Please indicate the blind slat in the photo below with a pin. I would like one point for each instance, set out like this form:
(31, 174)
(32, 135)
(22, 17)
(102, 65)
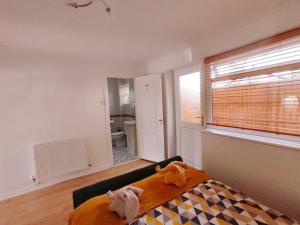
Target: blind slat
(276, 69)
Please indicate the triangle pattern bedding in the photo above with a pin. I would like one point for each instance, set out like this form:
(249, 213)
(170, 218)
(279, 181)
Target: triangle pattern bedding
(213, 203)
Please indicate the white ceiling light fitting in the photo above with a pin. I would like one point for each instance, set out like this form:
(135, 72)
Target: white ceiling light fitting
(84, 3)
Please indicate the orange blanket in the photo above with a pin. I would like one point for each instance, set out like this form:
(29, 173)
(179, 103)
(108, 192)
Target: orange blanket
(95, 211)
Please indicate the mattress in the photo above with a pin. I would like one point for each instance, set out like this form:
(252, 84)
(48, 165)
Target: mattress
(213, 202)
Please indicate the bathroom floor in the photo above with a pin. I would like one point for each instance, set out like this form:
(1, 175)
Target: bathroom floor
(121, 155)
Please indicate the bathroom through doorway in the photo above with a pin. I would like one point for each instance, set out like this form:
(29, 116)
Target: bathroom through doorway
(122, 119)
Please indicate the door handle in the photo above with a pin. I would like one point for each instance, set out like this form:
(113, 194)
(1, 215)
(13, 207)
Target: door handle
(202, 119)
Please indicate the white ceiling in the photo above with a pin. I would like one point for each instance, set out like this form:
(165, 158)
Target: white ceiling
(137, 31)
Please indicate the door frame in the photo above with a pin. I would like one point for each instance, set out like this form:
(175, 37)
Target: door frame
(177, 73)
(105, 102)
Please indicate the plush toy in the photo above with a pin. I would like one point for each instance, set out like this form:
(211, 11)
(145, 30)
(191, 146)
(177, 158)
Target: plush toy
(174, 173)
(125, 202)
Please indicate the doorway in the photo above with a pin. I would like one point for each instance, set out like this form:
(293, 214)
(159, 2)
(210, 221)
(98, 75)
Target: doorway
(122, 115)
(189, 115)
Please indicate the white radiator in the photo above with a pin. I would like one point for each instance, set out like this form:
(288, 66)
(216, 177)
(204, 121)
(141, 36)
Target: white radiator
(59, 158)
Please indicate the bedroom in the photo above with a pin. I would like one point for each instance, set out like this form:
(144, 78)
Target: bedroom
(55, 62)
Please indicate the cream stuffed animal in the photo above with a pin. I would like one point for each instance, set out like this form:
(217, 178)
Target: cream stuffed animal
(125, 202)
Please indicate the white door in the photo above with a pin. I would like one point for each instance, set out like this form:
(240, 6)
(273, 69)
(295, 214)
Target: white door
(188, 115)
(149, 114)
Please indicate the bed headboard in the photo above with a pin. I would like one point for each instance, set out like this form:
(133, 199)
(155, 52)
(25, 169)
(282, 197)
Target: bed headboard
(102, 187)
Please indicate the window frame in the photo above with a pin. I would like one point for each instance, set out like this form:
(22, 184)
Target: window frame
(192, 68)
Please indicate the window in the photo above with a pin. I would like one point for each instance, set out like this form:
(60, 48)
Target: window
(190, 98)
(257, 87)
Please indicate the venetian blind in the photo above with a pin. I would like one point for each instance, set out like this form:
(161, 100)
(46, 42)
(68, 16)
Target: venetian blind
(256, 87)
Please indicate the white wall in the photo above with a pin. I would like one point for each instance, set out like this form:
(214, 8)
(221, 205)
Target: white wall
(47, 97)
(171, 60)
(265, 172)
(247, 29)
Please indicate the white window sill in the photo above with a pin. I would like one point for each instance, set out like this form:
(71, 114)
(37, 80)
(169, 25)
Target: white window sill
(262, 139)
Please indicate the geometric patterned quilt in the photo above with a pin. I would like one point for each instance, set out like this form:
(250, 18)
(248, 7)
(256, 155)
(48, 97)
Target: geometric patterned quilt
(213, 202)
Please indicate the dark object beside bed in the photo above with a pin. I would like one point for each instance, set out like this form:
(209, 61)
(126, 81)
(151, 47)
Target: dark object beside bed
(102, 187)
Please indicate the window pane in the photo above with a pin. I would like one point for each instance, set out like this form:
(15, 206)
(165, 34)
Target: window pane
(190, 98)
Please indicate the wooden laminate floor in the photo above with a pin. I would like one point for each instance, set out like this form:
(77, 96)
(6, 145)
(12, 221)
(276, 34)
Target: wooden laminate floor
(53, 205)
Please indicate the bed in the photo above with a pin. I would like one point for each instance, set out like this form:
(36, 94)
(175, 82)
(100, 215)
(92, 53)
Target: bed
(202, 200)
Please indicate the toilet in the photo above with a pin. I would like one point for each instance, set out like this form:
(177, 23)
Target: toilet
(117, 139)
